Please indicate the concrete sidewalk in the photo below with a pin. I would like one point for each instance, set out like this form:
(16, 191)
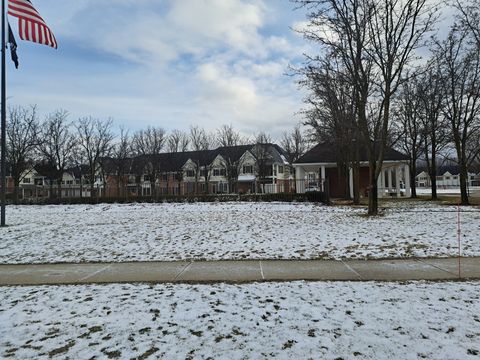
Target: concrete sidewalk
(240, 271)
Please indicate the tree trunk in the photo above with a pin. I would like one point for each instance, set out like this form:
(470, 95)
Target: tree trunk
(16, 186)
(59, 189)
(344, 171)
(118, 186)
(433, 175)
(463, 184)
(413, 185)
(92, 183)
(356, 183)
(373, 191)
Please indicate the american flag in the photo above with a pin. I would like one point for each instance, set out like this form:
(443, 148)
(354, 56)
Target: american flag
(31, 26)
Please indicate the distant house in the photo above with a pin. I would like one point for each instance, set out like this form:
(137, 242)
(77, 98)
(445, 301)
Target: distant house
(234, 169)
(37, 184)
(448, 176)
(256, 168)
(319, 167)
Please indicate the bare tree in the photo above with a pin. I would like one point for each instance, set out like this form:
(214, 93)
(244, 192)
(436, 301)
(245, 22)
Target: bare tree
(95, 141)
(200, 142)
(469, 16)
(332, 116)
(374, 41)
(227, 136)
(294, 145)
(231, 154)
(22, 131)
(407, 112)
(434, 127)
(56, 145)
(121, 157)
(177, 141)
(79, 164)
(147, 143)
(460, 69)
(263, 159)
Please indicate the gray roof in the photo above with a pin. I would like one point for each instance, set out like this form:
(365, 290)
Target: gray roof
(325, 153)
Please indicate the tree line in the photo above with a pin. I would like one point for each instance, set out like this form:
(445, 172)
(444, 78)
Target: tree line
(368, 88)
(55, 144)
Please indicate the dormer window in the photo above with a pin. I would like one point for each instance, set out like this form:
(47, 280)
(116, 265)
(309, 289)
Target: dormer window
(219, 172)
(247, 169)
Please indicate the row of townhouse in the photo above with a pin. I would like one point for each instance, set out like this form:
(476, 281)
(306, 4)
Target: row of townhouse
(35, 183)
(257, 168)
(448, 177)
(236, 169)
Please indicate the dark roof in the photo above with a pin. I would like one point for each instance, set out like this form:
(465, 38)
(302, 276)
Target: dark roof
(174, 162)
(234, 152)
(78, 171)
(325, 153)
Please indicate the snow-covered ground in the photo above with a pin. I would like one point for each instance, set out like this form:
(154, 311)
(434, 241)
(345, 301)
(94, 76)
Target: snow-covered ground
(473, 191)
(135, 232)
(298, 320)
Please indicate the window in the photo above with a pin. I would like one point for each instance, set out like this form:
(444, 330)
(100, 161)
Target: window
(164, 177)
(203, 172)
(190, 173)
(146, 178)
(69, 182)
(176, 176)
(280, 169)
(223, 188)
(247, 169)
(219, 172)
(26, 180)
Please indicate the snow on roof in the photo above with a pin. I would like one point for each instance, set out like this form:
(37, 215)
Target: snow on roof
(246, 178)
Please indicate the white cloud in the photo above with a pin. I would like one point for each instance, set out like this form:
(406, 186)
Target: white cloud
(207, 62)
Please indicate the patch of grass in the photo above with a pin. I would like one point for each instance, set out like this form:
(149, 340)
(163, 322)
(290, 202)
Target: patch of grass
(196, 333)
(115, 354)
(90, 331)
(62, 349)
(144, 330)
(288, 344)
(148, 353)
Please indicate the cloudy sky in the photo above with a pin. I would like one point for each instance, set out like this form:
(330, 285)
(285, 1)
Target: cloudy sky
(166, 63)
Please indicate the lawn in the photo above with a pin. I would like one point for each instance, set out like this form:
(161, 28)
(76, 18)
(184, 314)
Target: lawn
(134, 232)
(298, 320)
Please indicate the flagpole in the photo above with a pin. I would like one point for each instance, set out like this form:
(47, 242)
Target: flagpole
(3, 167)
